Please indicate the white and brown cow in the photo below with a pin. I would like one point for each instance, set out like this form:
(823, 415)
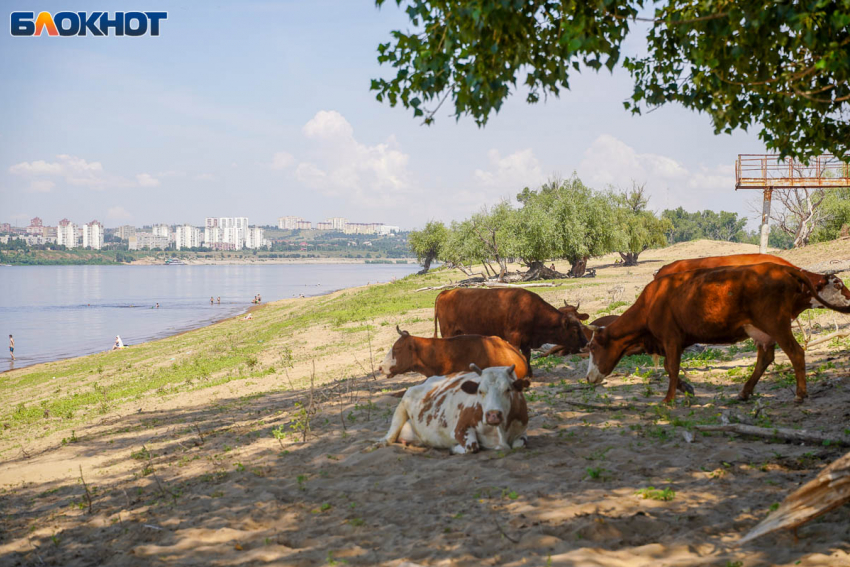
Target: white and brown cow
(463, 412)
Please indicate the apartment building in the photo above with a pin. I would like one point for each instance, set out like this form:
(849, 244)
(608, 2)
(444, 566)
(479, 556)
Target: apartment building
(225, 233)
(92, 235)
(125, 232)
(66, 234)
(187, 236)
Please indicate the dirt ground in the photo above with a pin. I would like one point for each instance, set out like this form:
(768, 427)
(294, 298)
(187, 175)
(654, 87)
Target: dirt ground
(229, 476)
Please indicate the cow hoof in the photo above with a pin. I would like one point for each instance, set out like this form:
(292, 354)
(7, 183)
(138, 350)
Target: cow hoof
(799, 399)
(743, 397)
(380, 444)
(521, 443)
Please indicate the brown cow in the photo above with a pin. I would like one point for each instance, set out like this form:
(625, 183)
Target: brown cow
(719, 306)
(519, 316)
(719, 262)
(440, 357)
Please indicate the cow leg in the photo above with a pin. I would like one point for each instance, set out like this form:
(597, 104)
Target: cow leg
(468, 444)
(520, 442)
(794, 351)
(672, 360)
(400, 417)
(765, 358)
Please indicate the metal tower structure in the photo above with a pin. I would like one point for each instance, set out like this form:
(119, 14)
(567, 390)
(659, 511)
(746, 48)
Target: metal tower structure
(768, 172)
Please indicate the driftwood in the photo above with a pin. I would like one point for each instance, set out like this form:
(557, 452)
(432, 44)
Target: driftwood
(827, 491)
(595, 407)
(793, 435)
(829, 337)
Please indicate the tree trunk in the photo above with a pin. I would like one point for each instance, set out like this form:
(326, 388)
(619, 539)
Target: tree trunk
(539, 271)
(629, 258)
(426, 265)
(578, 268)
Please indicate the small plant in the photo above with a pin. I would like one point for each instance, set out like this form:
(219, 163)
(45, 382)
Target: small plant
(652, 493)
(596, 473)
(301, 479)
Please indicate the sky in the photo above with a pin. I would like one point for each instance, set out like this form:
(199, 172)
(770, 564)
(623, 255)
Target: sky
(263, 109)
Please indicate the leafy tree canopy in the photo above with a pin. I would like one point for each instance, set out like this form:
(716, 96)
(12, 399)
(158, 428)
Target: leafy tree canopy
(781, 66)
(427, 243)
(707, 224)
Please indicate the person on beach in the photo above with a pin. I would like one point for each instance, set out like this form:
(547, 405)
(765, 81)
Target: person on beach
(12, 347)
(211, 301)
(259, 298)
(218, 299)
(157, 304)
(119, 344)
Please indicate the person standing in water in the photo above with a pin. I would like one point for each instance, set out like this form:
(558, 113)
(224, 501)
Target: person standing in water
(211, 301)
(219, 300)
(12, 347)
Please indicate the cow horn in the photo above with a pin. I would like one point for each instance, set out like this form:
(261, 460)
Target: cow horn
(474, 368)
(595, 328)
(399, 331)
(511, 369)
(566, 304)
(578, 304)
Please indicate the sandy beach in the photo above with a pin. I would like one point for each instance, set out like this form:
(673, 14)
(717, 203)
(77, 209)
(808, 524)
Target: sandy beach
(249, 443)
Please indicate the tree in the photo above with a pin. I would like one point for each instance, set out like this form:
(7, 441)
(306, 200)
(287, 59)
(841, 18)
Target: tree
(493, 228)
(641, 228)
(534, 235)
(781, 66)
(798, 212)
(685, 226)
(582, 220)
(426, 243)
(836, 215)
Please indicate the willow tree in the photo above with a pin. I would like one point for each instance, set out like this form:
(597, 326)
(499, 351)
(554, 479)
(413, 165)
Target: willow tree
(427, 243)
(641, 229)
(779, 66)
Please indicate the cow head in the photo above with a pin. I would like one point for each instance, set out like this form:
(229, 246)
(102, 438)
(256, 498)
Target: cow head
(399, 356)
(571, 334)
(602, 359)
(833, 290)
(495, 388)
(569, 310)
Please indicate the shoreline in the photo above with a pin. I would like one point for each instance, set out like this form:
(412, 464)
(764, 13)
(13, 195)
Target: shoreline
(251, 308)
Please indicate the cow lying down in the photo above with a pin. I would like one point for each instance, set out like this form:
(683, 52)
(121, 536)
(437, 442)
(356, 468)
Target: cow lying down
(463, 412)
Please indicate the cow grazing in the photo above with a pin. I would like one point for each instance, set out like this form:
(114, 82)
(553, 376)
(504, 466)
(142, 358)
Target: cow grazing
(568, 309)
(718, 306)
(719, 262)
(519, 316)
(439, 357)
(484, 408)
(559, 350)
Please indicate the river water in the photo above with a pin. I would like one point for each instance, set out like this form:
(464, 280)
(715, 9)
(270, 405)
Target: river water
(57, 312)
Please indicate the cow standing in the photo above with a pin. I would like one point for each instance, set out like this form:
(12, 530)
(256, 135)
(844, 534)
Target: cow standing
(439, 357)
(719, 262)
(719, 306)
(483, 408)
(519, 316)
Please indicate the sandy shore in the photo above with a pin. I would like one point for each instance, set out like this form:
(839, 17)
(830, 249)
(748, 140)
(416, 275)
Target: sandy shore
(197, 454)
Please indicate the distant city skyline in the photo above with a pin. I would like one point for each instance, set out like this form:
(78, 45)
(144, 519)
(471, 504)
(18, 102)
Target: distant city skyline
(149, 130)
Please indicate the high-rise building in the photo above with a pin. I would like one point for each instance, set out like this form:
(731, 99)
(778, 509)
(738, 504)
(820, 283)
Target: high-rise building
(254, 238)
(288, 223)
(144, 240)
(228, 231)
(386, 229)
(93, 235)
(327, 225)
(66, 234)
(303, 225)
(36, 227)
(125, 232)
(338, 223)
(162, 230)
(187, 236)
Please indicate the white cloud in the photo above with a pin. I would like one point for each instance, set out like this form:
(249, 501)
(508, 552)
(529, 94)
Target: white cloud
(282, 160)
(75, 171)
(610, 161)
(147, 180)
(117, 213)
(341, 166)
(512, 172)
(41, 185)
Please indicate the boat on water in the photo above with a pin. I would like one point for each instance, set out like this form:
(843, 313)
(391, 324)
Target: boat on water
(174, 262)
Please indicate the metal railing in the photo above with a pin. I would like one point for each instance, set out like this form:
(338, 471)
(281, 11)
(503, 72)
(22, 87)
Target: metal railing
(769, 171)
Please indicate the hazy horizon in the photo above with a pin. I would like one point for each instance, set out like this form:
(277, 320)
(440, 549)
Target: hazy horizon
(207, 121)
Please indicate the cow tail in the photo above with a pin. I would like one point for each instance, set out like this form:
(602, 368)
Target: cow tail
(806, 283)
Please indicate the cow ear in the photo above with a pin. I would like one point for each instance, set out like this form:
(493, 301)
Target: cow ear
(520, 385)
(583, 316)
(469, 387)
